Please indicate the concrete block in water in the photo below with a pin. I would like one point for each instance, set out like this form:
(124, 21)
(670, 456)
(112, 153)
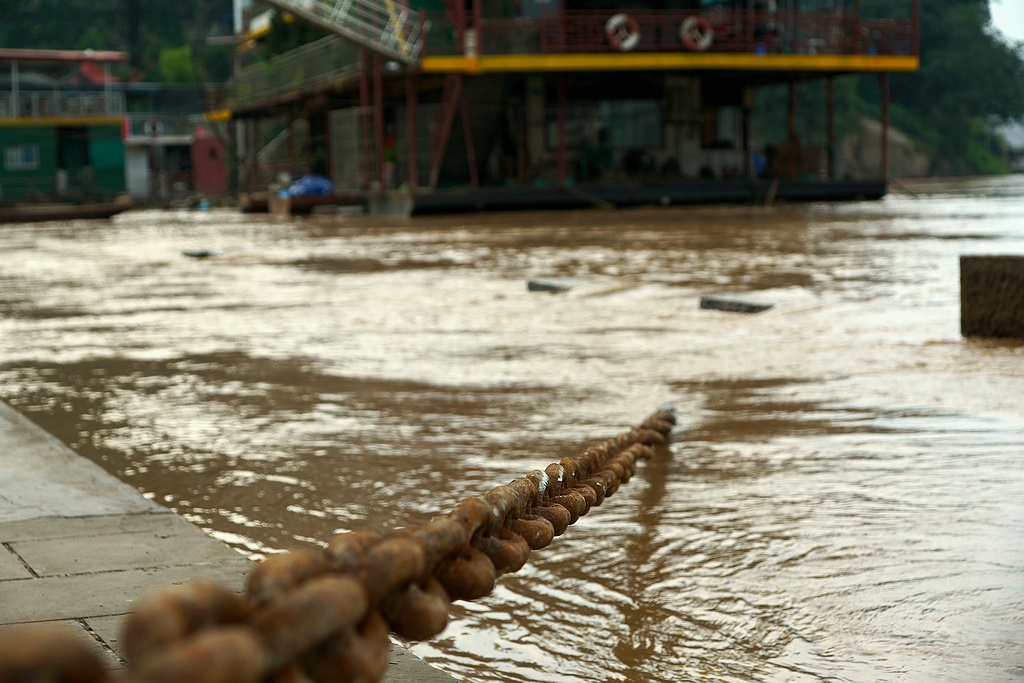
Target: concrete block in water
(719, 303)
(394, 203)
(992, 296)
(279, 205)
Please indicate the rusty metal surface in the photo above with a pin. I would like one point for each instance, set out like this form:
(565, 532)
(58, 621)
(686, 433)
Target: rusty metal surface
(326, 615)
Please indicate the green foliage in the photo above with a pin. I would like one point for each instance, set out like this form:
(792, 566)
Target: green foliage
(176, 65)
(142, 28)
(968, 76)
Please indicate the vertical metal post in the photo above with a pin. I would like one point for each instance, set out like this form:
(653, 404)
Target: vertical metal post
(293, 143)
(255, 141)
(378, 118)
(154, 164)
(560, 104)
(791, 168)
(856, 27)
(790, 109)
(14, 90)
(831, 115)
(364, 109)
(478, 26)
(410, 111)
(745, 123)
(467, 133)
(106, 89)
(885, 125)
(915, 19)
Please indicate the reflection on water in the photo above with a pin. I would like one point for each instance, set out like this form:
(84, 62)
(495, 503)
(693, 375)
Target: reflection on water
(841, 502)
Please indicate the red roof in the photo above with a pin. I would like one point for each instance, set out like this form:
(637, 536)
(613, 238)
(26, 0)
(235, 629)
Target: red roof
(10, 54)
(91, 72)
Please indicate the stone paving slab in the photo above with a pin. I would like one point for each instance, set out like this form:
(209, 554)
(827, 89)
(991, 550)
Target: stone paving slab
(11, 567)
(102, 594)
(79, 629)
(93, 525)
(78, 547)
(176, 543)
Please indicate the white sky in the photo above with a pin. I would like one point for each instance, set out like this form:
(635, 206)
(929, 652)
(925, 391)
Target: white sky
(1008, 17)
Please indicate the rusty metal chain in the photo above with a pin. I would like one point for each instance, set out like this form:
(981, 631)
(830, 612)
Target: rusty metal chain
(325, 615)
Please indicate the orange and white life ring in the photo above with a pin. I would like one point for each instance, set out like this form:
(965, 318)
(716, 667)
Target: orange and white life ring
(697, 33)
(623, 32)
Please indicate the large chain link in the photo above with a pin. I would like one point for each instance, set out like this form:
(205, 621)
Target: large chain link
(325, 615)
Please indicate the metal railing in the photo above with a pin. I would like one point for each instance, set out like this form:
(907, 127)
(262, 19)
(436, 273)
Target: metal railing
(737, 31)
(33, 105)
(156, 125)
(304, 69)
(386, 27)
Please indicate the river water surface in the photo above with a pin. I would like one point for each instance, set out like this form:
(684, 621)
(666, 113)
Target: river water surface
(844, 499)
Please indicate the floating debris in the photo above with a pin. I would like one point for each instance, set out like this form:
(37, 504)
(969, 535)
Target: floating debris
(719, 303)
(547, 286)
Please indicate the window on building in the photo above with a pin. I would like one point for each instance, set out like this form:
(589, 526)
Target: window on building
(21, 158)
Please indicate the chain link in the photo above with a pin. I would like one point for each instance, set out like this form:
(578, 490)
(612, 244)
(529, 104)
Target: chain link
(325, 615)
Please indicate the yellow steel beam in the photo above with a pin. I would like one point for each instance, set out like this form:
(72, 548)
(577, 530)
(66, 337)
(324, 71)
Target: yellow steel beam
(666, 61)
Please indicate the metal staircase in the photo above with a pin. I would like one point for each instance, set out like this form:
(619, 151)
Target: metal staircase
(385, 27)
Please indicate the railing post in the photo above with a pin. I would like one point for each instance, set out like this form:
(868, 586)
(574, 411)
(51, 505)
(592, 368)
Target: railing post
(915, 20)
(15, 106)
(856, 25)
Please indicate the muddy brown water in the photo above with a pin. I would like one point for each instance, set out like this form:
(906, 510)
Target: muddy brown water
(843, 500)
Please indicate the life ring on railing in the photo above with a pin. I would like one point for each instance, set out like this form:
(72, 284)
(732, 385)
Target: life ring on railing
(623, 32)
(697, 33)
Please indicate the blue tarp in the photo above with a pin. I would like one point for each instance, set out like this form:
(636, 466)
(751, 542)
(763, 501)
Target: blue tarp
(312, 185)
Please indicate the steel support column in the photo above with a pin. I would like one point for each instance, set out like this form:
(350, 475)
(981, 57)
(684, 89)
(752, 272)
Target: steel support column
(467, 130)
(378, 119)
(450, 96)
(830, 87)
(411, 98)
(792, 139)
(560, 104)
(884, 79)
(364, 110)
(915, 18)
(747, 104)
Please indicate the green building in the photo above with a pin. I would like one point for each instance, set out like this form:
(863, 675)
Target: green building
(57, 144)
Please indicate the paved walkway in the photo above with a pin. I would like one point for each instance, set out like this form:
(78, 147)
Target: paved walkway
(78, 547)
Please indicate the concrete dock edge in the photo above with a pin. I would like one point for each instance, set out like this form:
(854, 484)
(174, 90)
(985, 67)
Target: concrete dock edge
(78, 547)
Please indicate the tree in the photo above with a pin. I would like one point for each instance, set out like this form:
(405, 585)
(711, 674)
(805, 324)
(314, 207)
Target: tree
(143, 29)
(967, 76)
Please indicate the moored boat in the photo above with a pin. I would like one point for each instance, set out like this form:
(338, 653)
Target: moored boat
(29, 212)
